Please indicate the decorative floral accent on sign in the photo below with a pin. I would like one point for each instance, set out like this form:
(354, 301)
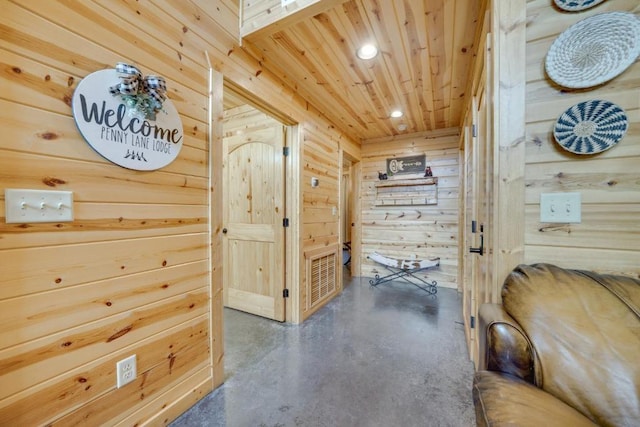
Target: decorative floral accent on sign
(143, 95)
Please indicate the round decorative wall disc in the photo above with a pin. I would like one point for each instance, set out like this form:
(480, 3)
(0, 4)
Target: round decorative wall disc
(590, 127)
(576, 5)
(594, 50)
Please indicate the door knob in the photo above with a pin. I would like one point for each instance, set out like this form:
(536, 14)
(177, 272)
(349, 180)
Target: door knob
(479, 250)
(224, 231)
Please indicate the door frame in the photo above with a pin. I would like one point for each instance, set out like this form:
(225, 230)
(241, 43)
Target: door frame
(505, 28)
(476, 200)
(354, 209)
(215, 109)
(292, 242)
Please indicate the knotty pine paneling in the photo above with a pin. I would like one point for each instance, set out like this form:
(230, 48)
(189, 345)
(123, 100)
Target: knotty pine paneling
(320, 226)
(49, 358)
(95, 380)
(413, 231)
(37, 315)
(609, 183)
(134, 272)
(131, 274)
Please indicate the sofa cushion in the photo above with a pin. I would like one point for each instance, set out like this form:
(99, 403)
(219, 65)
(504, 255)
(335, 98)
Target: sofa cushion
(504, 400)
(585, 334)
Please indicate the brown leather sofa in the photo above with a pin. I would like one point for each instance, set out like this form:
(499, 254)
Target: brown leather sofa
(563, 349)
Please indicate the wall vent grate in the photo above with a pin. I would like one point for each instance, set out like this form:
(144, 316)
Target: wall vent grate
(322, 278)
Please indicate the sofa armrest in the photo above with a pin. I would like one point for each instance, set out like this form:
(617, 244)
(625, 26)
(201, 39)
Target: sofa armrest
(503, 345)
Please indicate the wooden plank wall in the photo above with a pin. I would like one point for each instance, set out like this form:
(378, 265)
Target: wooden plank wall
(608, 239)
(262, 18)
(133, 273)
(130, 275)
(413, 231)
(245, 118)
(320, 226)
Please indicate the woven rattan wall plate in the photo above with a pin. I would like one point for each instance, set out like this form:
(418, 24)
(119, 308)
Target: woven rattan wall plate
(590, 127)
(594, 50)
(576, 5)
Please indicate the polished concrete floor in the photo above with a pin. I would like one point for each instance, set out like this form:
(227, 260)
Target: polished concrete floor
(375, 356)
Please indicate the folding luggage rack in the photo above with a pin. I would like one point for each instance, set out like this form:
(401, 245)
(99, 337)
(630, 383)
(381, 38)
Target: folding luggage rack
(406, 270)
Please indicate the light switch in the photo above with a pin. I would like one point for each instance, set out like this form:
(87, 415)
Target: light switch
(24, 206)
(560, 207)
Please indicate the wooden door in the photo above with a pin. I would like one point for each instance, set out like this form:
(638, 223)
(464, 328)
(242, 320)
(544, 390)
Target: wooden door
(478, 202)
(495, 197)
(475, 218)
(253, 242)
(346, 204)
(469, 213)
(480, 194)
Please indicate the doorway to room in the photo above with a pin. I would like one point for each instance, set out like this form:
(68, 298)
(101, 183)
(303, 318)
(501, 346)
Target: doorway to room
(253, 181)
(348, 215)
(256, 254)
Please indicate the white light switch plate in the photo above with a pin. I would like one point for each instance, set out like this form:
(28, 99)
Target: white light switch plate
(24, 206)
(560, 207)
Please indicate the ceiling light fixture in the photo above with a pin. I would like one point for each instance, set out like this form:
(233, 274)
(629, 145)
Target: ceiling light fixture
(402, 127)
(367, 51)
(396, 113)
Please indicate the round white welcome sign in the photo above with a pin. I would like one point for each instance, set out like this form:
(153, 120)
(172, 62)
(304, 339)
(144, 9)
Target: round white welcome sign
(121, 135)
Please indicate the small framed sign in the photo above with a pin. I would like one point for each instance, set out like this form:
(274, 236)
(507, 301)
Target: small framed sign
(412, 165)
(120, 133)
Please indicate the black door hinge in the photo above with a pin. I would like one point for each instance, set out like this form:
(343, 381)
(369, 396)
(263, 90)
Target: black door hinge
(285, 151)
(285, 222)
(285, 293)
(473, 322)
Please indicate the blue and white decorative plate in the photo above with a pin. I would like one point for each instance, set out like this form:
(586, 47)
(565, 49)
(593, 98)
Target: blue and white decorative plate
(576, 5)
(590, 127)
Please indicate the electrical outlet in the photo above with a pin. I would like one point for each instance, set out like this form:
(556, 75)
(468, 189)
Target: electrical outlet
(126, 371)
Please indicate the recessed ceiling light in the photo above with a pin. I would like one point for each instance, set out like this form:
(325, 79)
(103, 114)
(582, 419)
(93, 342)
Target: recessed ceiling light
(396, 113)
(367, 51)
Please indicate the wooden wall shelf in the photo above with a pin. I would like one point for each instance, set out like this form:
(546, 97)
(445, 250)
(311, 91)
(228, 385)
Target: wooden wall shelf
(407, 192)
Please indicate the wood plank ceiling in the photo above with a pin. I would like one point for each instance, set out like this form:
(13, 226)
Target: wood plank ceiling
(423, 67)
